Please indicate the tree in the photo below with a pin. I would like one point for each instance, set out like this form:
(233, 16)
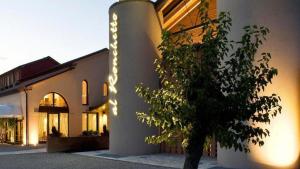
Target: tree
(211, 89)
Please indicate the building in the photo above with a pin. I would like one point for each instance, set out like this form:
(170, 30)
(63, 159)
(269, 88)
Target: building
(73, 97)
(42, 95)
(12, 106)
(140, 22)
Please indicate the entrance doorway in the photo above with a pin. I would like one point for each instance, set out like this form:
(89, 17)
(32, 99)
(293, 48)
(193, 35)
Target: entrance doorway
(53, 117)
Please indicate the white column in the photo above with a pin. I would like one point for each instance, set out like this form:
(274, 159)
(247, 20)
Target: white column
(135, 33)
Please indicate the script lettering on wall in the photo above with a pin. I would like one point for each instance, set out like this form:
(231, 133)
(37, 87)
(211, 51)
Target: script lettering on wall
(113, 77)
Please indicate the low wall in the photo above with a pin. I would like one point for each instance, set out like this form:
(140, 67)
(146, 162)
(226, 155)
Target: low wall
(73, 144)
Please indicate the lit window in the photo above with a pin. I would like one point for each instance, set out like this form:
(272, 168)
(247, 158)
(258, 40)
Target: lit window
(84, 122)
(90, 121)
(84, 89)
(105, 89)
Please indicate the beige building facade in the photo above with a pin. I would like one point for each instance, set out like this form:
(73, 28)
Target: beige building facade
(70, 97)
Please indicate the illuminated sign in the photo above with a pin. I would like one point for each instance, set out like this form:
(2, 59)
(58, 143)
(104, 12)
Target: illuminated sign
(113, 78)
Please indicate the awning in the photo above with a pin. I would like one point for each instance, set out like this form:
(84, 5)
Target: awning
(10, 111)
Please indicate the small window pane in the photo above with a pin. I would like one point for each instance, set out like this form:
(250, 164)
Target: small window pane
(84, 92)
(105, 89)
(64, 124)
(92, 122)
(59, 101)
(42, 126)
(47, 100)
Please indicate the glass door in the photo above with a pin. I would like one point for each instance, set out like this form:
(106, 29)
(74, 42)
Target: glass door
(53, 122)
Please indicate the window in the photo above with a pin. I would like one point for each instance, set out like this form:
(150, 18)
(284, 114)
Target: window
(84, 88)
(43, 127)
(90, 121)
(53, 115)
(105, 89)
(64, 124)
(84, 122)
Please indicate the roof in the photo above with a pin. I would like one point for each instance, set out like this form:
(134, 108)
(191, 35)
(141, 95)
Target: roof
(29, 66)
(88, 55)
(67, 65)
(54, 71)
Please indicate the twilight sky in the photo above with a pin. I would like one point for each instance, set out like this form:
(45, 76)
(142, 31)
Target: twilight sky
(62, 29)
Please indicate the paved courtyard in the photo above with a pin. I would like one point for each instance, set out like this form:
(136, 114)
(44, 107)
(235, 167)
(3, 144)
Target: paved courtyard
(66, 161)
(24, 157)
(165, 160)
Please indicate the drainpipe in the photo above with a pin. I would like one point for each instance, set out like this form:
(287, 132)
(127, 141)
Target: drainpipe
(26, 114)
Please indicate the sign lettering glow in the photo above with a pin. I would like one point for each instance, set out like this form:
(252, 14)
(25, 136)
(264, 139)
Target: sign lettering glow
(113, 78)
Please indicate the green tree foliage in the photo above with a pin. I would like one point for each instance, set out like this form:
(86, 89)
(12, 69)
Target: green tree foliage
(211, 89)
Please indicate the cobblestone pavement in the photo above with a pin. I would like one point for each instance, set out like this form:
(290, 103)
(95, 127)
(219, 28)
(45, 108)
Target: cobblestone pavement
(66, 161)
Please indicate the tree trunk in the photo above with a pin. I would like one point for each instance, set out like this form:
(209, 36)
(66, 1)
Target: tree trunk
(194, 152)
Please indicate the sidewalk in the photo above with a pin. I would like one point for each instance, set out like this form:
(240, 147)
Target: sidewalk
(8, 149)
(164, 160)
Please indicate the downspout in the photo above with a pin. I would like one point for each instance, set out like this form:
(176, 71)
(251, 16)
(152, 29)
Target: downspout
(26, 115)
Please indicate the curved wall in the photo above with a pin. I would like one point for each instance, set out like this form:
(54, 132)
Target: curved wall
(281, 149)
(135, 33)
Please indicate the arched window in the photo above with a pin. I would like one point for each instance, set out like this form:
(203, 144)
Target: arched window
(53, 115)
(105, 89)
(85, 94)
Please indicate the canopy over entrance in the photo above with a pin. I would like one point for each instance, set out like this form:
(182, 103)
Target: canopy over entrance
(10, 111)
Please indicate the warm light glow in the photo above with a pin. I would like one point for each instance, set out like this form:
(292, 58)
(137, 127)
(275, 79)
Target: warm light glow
(104, 119)
(33, 139)
(84, 122)
(24, 134)
(45, 122)
(42, 126)
(113, 78)
(183, 12)
(282, 148)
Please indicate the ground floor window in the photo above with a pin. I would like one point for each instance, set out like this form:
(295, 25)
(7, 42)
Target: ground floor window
(53, 116)
(43, 126)
(48, 122)
(64, 124)
(11, 130)
(90, 121)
